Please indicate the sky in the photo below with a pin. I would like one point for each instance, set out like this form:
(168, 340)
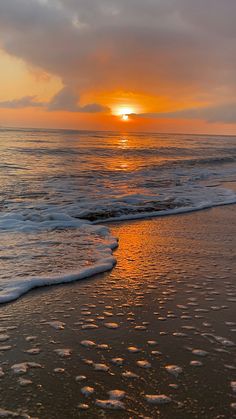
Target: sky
(170, 65)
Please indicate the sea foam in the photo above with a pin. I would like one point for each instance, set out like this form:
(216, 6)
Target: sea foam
(67, 184)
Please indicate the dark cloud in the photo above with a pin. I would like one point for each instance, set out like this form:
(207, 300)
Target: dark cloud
(158, 47)
(225, 113)
(67, 100)
(24, 102)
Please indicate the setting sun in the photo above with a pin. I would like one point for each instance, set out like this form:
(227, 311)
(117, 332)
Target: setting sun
(125, 117)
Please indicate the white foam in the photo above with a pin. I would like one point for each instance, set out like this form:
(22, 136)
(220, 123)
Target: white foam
(174, 183)
(14, 289)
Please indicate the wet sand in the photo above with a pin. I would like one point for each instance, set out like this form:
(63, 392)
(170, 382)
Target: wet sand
(163, 322)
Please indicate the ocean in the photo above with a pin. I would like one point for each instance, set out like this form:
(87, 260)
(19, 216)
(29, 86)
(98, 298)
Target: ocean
(60, 189)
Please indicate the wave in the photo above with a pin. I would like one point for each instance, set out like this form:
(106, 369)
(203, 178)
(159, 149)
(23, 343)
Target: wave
(53, 203)
(101, 242)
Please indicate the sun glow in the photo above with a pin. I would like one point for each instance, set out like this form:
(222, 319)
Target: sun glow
(124, 113)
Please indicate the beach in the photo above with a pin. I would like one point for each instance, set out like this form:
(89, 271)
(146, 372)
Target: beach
(162, 322)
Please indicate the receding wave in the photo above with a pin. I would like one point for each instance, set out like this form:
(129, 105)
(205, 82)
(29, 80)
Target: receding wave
(54, 199)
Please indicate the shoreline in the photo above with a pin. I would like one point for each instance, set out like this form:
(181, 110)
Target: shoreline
(172, 292)
(104, 265)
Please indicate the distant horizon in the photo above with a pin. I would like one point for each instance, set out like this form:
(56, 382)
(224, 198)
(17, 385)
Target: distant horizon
(18, 128)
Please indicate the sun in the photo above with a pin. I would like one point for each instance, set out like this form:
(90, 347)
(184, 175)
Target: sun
(125, 113)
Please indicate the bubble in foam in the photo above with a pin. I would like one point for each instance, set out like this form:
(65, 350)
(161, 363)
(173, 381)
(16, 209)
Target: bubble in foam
(152, 342)
(4, 337)
(64, 353)
(196, 363)
(103, 346)
(116, 394)
(129, 374)
(157, 398)
(110, 404)
(133, 349)
(24, 382)
(101, 367)
(80, 378)
(174, 370)
(33, 351)
(111, 325)
(144, 364)
(57, 325)
(233, 386)
(199, 352)
(59, 370)
(88, 343)
(89, 326)
(20, 368)
(83, 406)
(118, 361)
(87, 391)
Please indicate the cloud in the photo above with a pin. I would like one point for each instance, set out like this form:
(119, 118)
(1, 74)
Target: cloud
(24, 102)
(67, 100)
(225, 113)
(159, 47)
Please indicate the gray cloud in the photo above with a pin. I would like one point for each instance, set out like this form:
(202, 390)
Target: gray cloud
(225, 113)
(24, 102)
(159, 47)
(67, 100)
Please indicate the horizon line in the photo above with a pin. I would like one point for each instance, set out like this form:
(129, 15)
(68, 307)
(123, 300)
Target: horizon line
(16, 128)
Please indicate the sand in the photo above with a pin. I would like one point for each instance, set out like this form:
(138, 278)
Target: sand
(155, 338)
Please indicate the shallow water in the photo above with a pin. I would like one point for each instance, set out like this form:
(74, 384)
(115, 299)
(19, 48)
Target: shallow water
(172, 297)
(56, 184)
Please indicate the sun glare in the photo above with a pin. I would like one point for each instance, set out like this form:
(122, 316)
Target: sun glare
(125, 113)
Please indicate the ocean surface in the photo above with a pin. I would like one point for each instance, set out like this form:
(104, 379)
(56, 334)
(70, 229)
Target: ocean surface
(59, 189)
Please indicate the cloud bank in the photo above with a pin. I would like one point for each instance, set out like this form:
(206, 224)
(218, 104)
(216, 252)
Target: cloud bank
(225, 113)
(24, 102)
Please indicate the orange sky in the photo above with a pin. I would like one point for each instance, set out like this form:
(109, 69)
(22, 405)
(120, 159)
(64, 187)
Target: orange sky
(49, 80)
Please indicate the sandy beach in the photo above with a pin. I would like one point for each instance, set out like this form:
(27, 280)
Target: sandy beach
(161, 323)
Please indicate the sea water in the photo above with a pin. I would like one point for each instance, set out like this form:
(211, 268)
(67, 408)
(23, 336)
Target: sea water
(59, 189)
